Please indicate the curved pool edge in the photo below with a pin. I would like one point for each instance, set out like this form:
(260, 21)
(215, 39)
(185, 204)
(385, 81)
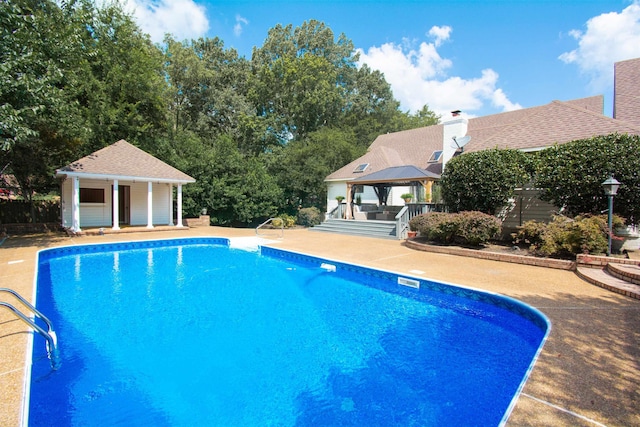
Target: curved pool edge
(533, 314)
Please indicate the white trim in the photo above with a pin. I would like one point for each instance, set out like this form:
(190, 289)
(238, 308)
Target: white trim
(179, 218)
(106, 177)
(115, 202)
(170, 206)
(75, 204)
(149, 204)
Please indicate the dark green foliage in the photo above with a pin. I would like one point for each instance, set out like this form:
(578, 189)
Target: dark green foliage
(571, 175)
(485, 180)
(467, 228)
(20, 211)
(309, 217)
(565, 237)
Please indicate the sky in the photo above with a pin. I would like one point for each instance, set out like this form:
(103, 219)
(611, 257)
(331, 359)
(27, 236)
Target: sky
(481, 57)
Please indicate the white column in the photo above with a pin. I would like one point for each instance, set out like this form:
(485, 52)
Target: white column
(116, 206)
(149, 204)
(179, 219)
(75, 205)
(170, 207)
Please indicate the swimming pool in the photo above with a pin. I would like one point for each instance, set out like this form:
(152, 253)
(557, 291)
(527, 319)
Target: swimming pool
(192, 332)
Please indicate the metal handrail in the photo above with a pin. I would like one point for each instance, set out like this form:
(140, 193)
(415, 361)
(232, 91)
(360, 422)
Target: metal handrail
(267, 222)
(52, 340)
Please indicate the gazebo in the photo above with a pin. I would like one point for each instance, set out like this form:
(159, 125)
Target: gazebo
(120, 185)
(383, 180)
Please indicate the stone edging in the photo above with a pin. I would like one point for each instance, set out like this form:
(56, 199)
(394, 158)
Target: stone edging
(494, 256)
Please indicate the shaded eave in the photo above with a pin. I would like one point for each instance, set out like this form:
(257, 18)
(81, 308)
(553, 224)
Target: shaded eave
(108, 177)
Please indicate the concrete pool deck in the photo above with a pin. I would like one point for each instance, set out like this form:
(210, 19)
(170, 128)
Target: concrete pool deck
(588, 372)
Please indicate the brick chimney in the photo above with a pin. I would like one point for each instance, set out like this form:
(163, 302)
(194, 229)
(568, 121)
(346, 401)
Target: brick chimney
(626, 92)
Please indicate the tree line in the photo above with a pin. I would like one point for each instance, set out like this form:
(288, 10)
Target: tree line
(258, 134)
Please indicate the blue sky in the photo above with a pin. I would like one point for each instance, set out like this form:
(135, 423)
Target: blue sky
(481, 57)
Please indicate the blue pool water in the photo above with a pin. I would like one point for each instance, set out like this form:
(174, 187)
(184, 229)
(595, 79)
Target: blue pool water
(190, 332)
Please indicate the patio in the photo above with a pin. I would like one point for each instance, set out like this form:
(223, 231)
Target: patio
(587, 373)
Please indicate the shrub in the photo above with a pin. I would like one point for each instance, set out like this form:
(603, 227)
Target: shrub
(467, 228)
(309, 216)
(475, 228)
(565, 237)
(484, 180)
(571, 175)
(284, 220)
(436, 226)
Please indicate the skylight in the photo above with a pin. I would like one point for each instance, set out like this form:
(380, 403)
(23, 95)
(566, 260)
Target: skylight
(361, 167)
(435, 157)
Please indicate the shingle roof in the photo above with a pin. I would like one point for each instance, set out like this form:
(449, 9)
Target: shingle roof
(530, 128)
(397, 174)
(123, 160)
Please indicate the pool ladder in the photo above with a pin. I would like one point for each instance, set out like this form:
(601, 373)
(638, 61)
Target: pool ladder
(49, 335)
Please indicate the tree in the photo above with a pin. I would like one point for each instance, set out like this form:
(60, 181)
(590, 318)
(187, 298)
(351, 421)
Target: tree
(302, 165)
(235, 189)
(124, 94)
(41, 124)
(300, 78)
(571, 175)
(484, 180)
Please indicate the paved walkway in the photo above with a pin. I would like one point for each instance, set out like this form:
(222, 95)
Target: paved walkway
(587, 374)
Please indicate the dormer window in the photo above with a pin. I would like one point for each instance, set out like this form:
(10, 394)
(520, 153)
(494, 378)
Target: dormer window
(361, 168)
(435, 157)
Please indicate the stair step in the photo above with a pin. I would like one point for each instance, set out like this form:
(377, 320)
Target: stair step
(626, 272)
(601, 277)
(380, 229)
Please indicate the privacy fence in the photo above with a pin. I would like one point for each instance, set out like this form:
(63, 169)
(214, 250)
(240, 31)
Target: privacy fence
(19, 212)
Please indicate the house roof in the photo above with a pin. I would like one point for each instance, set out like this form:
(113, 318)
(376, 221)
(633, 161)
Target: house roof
(122, 160)
(527, 129)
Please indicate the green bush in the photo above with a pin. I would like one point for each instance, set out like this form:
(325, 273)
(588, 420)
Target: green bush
(571, 175)
(476, 228)
(484, 180)
(467, 228)
(285, 220)
(565, 237)
(309, 217)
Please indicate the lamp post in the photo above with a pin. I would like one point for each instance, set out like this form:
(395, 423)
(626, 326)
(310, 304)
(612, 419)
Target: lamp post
(611, 186)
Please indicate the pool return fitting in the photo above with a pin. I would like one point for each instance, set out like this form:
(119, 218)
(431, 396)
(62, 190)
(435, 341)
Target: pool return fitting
(50, 335)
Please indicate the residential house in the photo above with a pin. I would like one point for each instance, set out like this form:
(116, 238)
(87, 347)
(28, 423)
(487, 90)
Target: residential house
(428, 149)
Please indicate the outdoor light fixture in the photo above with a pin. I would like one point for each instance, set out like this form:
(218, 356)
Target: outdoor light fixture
(611, 186)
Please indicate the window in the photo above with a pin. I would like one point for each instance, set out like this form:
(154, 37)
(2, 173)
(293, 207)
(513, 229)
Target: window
(361, 167)
(435, 157)
(91, 195)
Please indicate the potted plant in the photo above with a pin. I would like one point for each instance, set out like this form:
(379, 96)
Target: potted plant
(407, 197)
(339, 199)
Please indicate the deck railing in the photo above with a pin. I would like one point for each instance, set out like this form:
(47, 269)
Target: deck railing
(411, 210)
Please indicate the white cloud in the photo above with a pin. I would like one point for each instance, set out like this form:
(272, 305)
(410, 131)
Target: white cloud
(240, 23)
(184, 19)
(608, 38)
(441, 34)
(419, 76)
